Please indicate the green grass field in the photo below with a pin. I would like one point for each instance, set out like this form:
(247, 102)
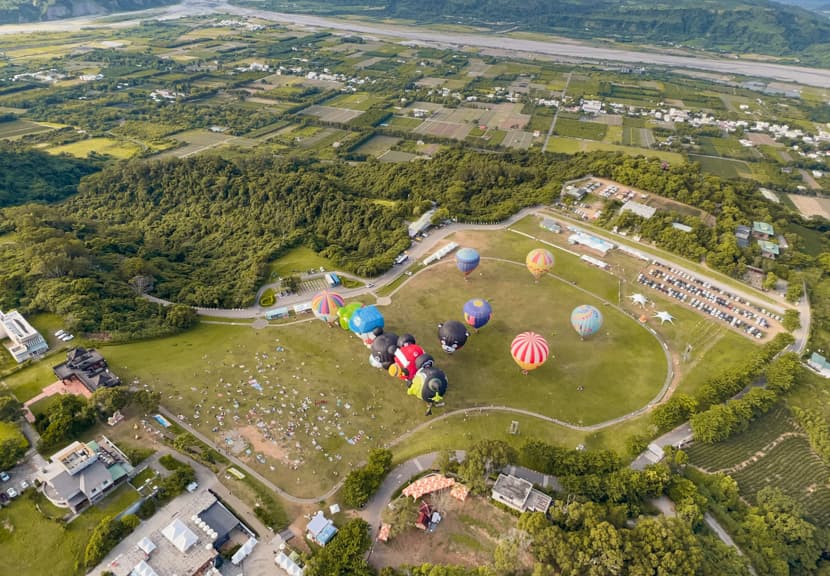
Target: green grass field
(19, 128)
(723, 167)
(108, 146)
(356, 101)
(32, 544)
(298, 261)
(578, 129)
(572, 146)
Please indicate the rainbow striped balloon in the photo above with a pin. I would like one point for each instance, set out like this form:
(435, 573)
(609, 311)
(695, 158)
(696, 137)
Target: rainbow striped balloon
(529, 350)
(325, 305)
(539, 262)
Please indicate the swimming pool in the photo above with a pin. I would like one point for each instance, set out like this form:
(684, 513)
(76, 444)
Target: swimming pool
(162, 420)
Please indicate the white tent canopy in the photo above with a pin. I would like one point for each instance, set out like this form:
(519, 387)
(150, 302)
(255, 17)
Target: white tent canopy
(146, 545)
(244, 551)
(143, 569)
(179, 535)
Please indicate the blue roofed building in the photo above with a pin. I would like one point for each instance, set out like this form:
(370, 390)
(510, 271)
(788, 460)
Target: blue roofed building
(762, 230)
(320, 529)
(769, 249)
(820, 364)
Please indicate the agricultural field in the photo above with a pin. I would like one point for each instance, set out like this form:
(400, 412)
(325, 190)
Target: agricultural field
(331, 114)
(811, 205)
(573, 145)
(377, 145)
(723, 167)
(105, 146)
(772, 452)
(358, 101)
(13, 129)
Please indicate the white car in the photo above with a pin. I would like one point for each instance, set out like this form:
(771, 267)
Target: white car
(12, 493)
(59, 333)
(67, 337)
(24, 485)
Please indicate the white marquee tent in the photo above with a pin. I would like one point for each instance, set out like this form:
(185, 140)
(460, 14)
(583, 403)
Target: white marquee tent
(179, 535)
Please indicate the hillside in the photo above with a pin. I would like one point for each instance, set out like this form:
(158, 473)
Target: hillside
(16, 11)
(746, 26)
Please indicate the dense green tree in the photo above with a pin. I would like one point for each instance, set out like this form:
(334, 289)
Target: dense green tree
(13, 445)
(345, 554)
(674, 411)
(10, 408)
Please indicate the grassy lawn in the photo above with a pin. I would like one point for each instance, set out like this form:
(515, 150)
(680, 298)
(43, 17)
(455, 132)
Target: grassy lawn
(30, 381)
(723, 167)
(298, 261)
(356, 101)
(108, 146)
(26, 535)
(572, 146)
(578, 129)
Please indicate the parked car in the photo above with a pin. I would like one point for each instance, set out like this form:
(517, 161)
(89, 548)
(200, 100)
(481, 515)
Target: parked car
(59, 333)
(4, 477)
(4, 498)
(24, 485)
(67, 337)
(12, 493)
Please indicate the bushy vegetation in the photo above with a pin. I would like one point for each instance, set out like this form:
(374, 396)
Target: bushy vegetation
(106, 536)
(344, 554)
(33, 176)
(16, 11)
(13, 445)
(362, 482)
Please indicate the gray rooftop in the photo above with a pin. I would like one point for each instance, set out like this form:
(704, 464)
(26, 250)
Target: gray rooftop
(511, 488)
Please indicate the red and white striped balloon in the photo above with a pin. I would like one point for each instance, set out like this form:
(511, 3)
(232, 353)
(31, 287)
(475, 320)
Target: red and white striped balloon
(529, 350)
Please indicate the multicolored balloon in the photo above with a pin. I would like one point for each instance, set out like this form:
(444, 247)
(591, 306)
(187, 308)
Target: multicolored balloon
(539, 262)
(529, 350)
(383, 350)
(453, 335)
(586, 320)
(408, 360)
(477, 312)
(467, 260)
(345, 313)
(325, 305)
(367, 323)
(429, 384)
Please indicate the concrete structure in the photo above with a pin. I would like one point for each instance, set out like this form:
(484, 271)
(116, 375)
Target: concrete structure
(82, 474)
(519, 494)
(303, 308)
(289, 563)
(638, 209)
(421, 224)
(24, 341)
(576, 193)
(320, 529)
(87, 367)
(594, 261)
(762, 230)
(769, 249)
(742, 234)
(435, 256)
(592, 242)
(551, 225)
(187, 545)
(682, 227)
(276, 313)
(820, 364)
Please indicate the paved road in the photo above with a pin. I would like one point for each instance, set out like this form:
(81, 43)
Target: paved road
(571, 50)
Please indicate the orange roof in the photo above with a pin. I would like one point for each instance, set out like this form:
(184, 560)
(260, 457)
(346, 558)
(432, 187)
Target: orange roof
(383, 535)
(459, 492)
(428, 484)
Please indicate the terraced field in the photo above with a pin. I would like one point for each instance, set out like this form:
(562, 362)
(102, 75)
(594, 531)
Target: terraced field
(772, 452)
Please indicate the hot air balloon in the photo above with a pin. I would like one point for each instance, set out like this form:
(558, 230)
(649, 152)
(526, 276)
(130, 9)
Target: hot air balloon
(467, 260)
(345, 313)
(429, 384)
(529, 350)
(325, 305)
(477, 312)
(408, 360)
(405, 339)
(539, 262)
(586, 320)
(383, 350)
(453, 335)
(367, 323)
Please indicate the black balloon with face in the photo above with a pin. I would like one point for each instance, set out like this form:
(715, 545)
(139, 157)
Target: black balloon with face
(453, 335)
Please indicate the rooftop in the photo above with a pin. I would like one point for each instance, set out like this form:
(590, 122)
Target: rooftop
(75, 457)
(769, 247)
(763, 228)
(639, 209)
(16, 325)
(512, 488)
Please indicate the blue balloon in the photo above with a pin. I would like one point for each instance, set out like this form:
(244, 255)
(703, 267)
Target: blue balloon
(586, 320)
(467, 260)
(477, 312)
(366, 319)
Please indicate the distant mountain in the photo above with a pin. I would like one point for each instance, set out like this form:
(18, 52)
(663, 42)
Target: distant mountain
(808, 4)
(744, 26)
(19, 11)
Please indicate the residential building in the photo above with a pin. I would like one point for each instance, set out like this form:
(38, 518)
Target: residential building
(762, 230)
(639, 209)
(742, 234)
(24, 341)
(421, 224)
(769, 250)
(519, 494)
(320, 529)
(551, 225)
(87, 367)
(820, 364)
(82, 474)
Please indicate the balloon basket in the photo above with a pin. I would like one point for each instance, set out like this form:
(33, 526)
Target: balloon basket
(524, 372)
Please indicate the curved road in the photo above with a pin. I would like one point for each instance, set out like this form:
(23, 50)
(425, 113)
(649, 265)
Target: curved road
(569, 50)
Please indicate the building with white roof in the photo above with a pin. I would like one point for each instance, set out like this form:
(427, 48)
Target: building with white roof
(24, 341)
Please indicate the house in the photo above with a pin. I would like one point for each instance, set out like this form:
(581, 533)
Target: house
(820, 364)
(769, 250)
(519, 494)
(576, 193)
(87, 367)
(551, 225)
(762, 230)
(24, 341)
(639, 209)
(742, 234)
(320, 529)
(82, 474)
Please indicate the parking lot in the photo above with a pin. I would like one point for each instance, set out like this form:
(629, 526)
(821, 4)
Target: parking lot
(740, 314)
